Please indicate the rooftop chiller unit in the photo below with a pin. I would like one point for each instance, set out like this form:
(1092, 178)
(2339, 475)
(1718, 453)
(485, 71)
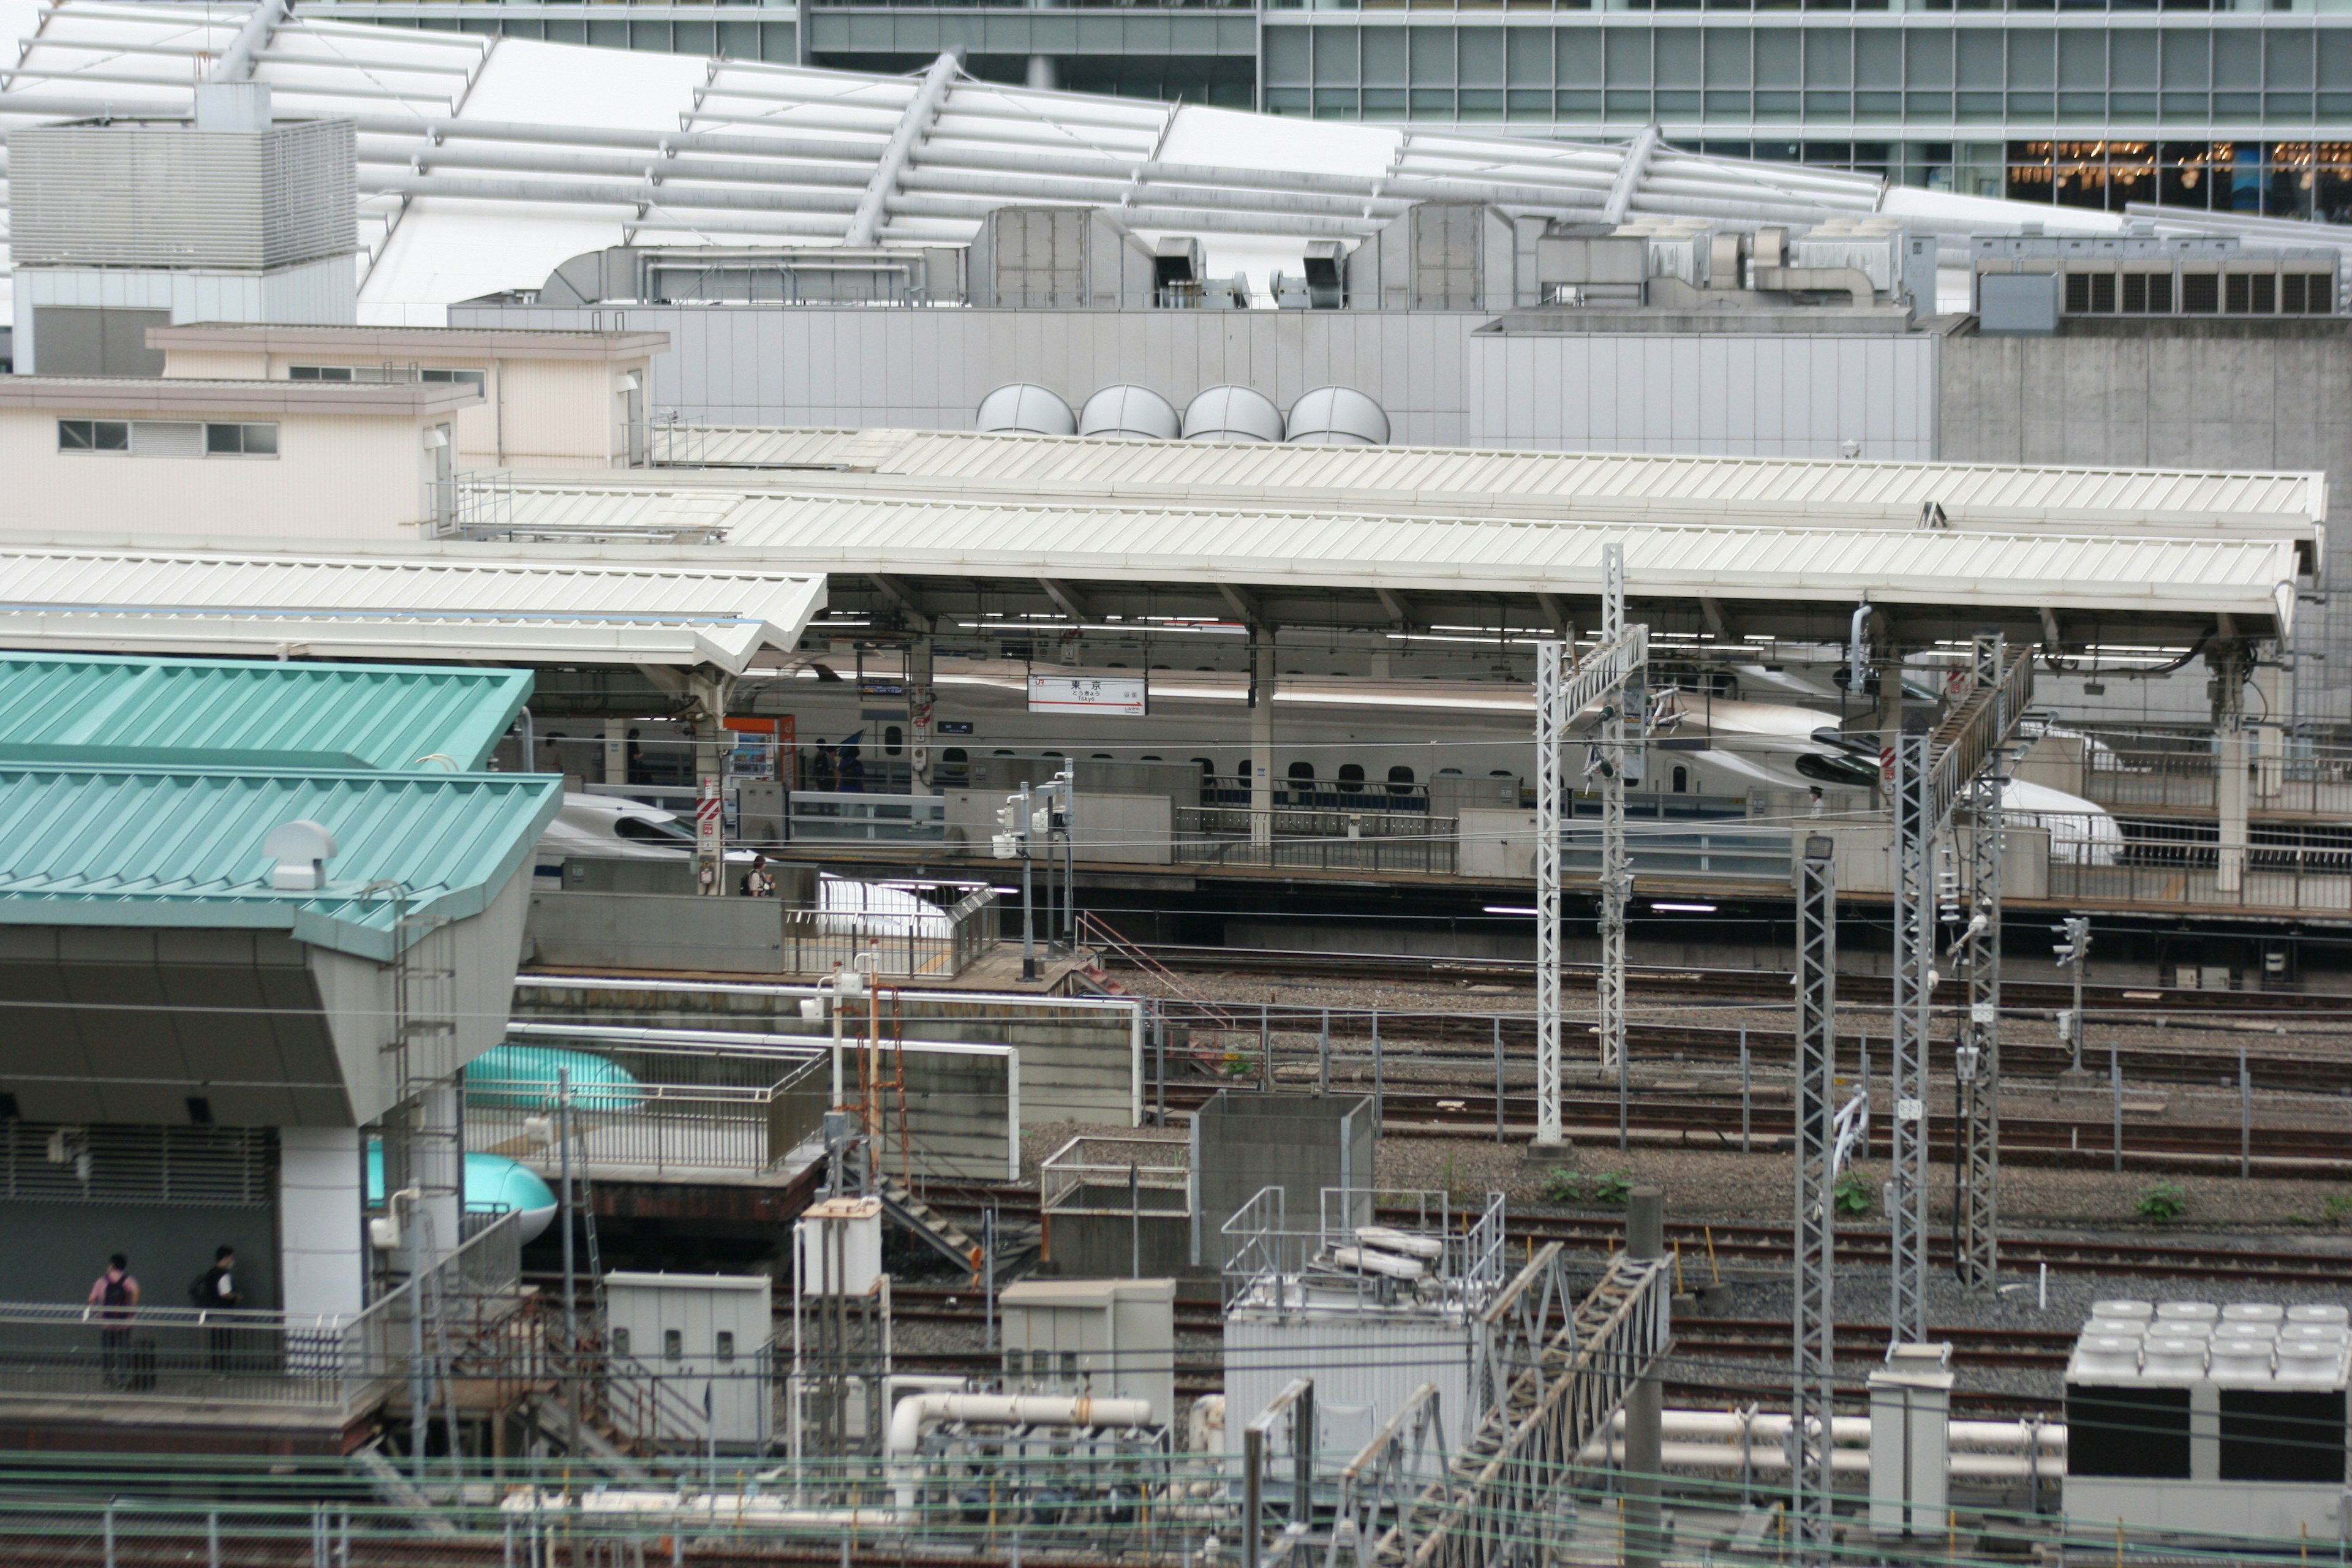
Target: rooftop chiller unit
(2192, 1420)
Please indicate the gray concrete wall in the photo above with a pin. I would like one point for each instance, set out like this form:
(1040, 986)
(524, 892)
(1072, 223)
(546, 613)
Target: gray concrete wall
(1079, 1057)
(957, 1118)
(657, 931)
(1242, 1142)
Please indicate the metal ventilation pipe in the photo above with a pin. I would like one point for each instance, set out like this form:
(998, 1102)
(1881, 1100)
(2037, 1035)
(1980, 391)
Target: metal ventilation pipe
(1337, 416)
(1136, 413)
(1232, 414)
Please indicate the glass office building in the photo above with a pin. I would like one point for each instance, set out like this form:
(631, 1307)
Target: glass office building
(2243, 110)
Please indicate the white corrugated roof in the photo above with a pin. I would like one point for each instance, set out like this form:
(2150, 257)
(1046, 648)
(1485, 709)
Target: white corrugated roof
(1257, 547)
(1654, 488)
(436, 603)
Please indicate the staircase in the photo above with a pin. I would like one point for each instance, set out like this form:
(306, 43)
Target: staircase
(1208, 1020)
(1015, 1243)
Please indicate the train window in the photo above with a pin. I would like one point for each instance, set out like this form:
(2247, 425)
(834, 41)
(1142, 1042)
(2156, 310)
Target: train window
(999, 751)
(673, 1344)
(652, 832)
(894, 741)
(1100, 757)
(1399, 780)
(1056, 755)
(1147, 758)
(1456, 772)
(1352, 778)
(955, 754)
(1500, 774)
(1208, 766)
(1303, 772)
(1682, 781)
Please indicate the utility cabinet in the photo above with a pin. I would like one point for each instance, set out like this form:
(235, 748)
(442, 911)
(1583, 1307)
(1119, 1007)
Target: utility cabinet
(690, 1346)
(1101, 1338)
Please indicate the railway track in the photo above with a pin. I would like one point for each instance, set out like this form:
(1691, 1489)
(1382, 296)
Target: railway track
(2310, 1068)
(1694, 1119)
(1739, 1338)
(1745, 1245)
(1751, 983)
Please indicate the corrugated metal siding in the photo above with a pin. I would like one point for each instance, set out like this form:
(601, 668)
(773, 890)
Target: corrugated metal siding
(168, 197)
(415, 606)
(1653, 486)
(1326, 549)
(183, 847)
(1365, 1368)
(380, 716)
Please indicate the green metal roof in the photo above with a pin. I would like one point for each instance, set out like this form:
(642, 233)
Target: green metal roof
(181, 846)
(216, 712)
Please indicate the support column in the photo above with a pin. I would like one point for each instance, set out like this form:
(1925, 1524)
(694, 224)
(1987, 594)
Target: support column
(617, 751)
(1551, 786)
(1045, 73)
(921, 699)
(1261, 699)
(321, 1231)
(1977, 1057)
(1915, 836)
(1645, 1239)
(1813, 1321)
(439, 1167)
(1616, 873)
(711, 744)
(2230, 795)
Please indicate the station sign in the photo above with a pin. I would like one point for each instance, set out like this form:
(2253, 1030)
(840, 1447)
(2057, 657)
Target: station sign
(1107, 695)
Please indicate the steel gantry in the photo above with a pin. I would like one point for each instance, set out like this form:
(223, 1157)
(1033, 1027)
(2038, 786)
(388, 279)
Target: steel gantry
(1976, 1056)
(1933, 773)
(1565, 687)
(1813, 1321)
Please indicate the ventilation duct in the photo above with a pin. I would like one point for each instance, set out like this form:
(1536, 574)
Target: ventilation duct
(1027, 409)
(1231, 414)
(1136, 413)
(1338, 417)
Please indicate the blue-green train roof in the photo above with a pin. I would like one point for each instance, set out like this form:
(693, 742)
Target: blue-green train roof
(215, 713)
(181, 846)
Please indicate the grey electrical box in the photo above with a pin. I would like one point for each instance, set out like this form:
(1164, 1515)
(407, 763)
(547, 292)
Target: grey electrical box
(1910, 1441)
(2017, 304)
(1100, 1338)
(697, 1343)
(1920, 272)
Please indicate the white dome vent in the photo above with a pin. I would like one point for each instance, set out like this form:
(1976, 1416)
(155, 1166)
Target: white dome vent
(1231, 414)
(1338, 417)
(1025, 408)
(1128, 412)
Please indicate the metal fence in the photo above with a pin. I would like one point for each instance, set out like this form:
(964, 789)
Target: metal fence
(1317, 840)
(1101, 1176)
(1731, 851)
(666, 1127)
(326, 1361)
(836, 814)
(889, 939)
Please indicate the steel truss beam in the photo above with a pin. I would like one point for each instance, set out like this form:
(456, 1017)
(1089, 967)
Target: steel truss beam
(1976, 1057)
(1813, 1321)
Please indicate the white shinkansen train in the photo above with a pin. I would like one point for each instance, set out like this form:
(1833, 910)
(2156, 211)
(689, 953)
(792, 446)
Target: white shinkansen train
(1350, 736)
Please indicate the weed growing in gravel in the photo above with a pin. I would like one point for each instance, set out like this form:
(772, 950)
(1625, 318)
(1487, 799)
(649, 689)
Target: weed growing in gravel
(2163, 1201)
(1561, 1186)
(2338, 1207)
(1852, 1194)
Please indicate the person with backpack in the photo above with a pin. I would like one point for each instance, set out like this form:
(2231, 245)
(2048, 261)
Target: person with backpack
(215, 1290)
(115, 1294)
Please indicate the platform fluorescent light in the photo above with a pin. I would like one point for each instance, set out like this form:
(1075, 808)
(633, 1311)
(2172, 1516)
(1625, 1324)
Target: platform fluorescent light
(1508, 909)
(1683, 908)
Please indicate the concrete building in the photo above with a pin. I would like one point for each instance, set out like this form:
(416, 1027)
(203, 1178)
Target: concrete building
(305, 460)
(555, 400)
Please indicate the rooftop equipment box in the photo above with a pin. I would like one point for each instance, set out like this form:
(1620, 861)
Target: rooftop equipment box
(1113, 1338)
(699, 1340)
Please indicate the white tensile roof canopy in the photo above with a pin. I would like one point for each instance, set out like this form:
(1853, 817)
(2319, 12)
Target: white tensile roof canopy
(486, 161)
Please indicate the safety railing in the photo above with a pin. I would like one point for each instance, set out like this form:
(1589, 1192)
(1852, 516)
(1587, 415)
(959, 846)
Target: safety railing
(475, 504)
(2187, 780)
(325, 1361)
(901, 938)
(851, 815)
(1317, 840)
(1117, 1176)
(656, 1127)
(1732, 852)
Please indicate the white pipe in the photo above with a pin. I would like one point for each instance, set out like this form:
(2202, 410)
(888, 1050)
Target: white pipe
(913, 1414)
(925, 107)
(236, 63)
(1771, 1426)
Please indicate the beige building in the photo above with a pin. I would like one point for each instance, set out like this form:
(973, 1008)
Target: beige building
(550, 399)
(313, 459)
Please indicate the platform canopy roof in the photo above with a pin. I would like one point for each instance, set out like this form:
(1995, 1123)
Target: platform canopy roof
(77, 707)
(1111, 560)
(183, 846)
(486, 161)
(497, 604)
(1474, 481)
